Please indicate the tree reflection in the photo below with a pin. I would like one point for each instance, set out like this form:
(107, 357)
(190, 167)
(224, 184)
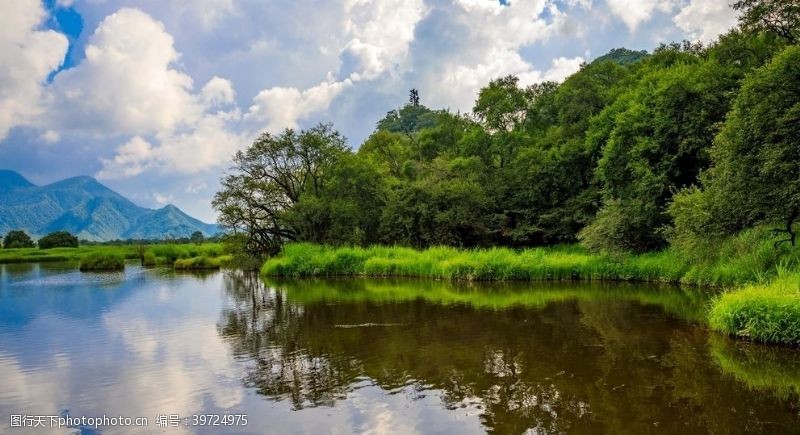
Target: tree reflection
(612, 362)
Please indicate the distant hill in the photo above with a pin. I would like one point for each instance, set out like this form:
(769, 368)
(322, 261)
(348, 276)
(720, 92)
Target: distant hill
(622, 56)
(88, 209)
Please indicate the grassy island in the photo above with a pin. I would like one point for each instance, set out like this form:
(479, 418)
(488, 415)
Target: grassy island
(102, 262)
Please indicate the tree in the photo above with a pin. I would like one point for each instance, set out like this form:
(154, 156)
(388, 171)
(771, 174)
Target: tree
(197, 238)
(781, 17)
(501, 105)
(413, 98)
(17, 239)
(269, 178)
(58, 239)
(755, 176)
(655, 141)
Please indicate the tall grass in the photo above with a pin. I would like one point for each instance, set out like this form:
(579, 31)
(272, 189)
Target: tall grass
(203, 262)
(102, 262)
(768, 313)
(494, 264)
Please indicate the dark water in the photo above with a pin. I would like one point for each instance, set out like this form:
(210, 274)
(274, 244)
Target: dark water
(378, 356)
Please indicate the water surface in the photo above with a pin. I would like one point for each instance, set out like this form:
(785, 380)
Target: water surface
(379, 356)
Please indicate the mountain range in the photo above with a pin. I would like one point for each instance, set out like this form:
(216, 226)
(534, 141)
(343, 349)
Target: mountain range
(85, 207)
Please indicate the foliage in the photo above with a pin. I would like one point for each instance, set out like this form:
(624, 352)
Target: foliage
(754, 177)
(58, 239)
(17, 239)
(102, 262)
(781, 17)
(768, 313)
(197, 238)
(202, 262)
(269, 178)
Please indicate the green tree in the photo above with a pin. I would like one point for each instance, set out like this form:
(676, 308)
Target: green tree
(197, 238)
(755, 177)
(781, 17)
(17, 239)
(655, 140)
(269, 178)
(58, 239)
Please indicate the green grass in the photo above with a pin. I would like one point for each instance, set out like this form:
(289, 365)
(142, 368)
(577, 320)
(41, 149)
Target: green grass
(165, 254)
(768, 313)
(105, 262)
(203, 262)
(495, 264)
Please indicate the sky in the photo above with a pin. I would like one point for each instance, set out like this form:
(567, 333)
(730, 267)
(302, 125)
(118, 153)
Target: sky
(153, 97)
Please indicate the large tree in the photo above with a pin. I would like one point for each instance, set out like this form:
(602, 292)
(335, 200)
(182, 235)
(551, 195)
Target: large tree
(755, 177)
(58, 239)
(781, 17)
(17, 239)
(269, 178)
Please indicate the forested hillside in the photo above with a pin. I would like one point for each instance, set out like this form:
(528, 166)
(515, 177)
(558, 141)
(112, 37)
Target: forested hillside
(686, 145)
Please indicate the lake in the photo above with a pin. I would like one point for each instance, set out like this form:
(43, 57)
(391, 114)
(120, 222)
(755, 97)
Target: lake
(186, 351)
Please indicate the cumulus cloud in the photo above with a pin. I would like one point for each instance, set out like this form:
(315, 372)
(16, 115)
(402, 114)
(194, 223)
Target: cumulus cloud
(705, 20)
(463, 45)
(281, 107)
(127, 84)
(218, 91)
(380, 32)
(27, 56)
(635, 12)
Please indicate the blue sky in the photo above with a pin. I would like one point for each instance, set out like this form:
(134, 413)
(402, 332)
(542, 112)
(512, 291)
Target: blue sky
(153, 97)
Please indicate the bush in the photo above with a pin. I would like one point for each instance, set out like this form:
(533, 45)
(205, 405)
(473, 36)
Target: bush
(17, 239)
(58, 239)
(149, 259)
(202, 262)
(102, 262)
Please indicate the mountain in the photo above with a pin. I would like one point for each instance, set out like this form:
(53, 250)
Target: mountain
(622, 56)
(88, 209)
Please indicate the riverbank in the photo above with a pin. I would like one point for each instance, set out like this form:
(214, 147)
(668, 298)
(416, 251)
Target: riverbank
(761, 301)
(156, 254)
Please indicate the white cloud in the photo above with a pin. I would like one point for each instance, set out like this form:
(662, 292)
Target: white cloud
(281, 107)
(381, 31)
(132, 158)
(482, 41)
(218, 91)
(27, 56)
(705, 20)
(50, 136)
(635, 12)
(127, 84)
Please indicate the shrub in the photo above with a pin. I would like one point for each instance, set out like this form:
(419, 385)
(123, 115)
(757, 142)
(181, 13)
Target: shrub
(101, 262)
(58, 239)
(203, 263)
(17, 239)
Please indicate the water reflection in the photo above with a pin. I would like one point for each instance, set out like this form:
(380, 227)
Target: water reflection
(585, 359)
(380, 356)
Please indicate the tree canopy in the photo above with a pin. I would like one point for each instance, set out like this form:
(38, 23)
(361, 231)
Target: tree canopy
(58, 239)
(17, 239)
